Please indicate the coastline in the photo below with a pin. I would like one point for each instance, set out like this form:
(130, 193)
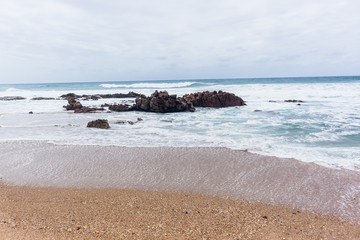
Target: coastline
(48, 174)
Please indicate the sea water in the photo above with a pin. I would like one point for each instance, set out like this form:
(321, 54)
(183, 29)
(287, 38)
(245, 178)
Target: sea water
(323, 129)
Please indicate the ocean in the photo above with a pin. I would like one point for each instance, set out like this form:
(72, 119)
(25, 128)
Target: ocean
(323, 129)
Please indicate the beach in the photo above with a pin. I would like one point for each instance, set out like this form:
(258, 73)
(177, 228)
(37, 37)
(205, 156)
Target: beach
(88, 192)
(72, 213)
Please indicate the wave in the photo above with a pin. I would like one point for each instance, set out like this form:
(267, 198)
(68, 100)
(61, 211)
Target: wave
(150, 85)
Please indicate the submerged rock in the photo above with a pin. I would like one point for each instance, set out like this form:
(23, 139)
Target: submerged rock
(214, 99)
(11, 98)
(294, 101)
(88, 110)
(121, 107)
(42, 98)
(98, 96)
(99, 123)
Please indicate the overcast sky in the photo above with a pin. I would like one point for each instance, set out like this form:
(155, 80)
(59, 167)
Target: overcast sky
(115, 40)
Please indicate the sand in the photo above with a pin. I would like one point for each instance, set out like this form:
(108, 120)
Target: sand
(95, 192)
(70, 213)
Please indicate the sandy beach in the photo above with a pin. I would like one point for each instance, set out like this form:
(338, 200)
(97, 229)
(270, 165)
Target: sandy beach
(96, 192)
(70, 213)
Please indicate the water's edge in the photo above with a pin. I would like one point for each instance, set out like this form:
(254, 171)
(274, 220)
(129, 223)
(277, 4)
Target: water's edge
(212, 171)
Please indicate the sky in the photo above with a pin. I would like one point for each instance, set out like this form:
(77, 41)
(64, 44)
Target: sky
(118, 40)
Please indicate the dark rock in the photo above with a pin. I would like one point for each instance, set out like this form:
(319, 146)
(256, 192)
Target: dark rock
(139, 119)
(257, 110)
(121, 107)
(42, 98)
(30, 112)
(11, 98)
(294, 101)
(131, 122)
(122, 95)
(162, 102)
(79, 108)
(73, 104)
(100, 123)
(120, 122)
(214, 99)
(272, 101)
(72, 95)
(98, 96)
(88, 110)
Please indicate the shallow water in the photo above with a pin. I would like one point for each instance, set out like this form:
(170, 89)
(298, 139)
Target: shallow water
(212, 171)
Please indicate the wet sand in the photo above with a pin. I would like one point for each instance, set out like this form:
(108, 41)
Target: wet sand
(78, 192)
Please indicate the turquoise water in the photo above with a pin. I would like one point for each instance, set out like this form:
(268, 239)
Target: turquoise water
(325, 129)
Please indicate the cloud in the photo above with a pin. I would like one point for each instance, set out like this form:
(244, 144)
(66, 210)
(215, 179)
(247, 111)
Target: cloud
(63, 40)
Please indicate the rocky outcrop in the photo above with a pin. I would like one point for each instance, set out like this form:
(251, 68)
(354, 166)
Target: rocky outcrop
(294, 101)
(122, 95)
(121, 107)
(11, 98)
(162, 102)
(79, 108)
(72, 104)
(99, 123)
(98, 96)
(88, 110)
(42, 98)
(214, 99)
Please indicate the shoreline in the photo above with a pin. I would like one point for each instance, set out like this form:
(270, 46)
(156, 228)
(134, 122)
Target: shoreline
(212, 171)
(103, 213)
(50, 181)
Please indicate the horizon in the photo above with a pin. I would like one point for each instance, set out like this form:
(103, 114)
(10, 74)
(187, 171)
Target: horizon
(85, 41)
(190, 79)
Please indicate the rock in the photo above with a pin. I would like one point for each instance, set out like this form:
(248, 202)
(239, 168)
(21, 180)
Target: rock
(139, 119)
(73, 104)
(214, 99)
(42, 98)
(294, 101)
(121, 107)
(162, 102)
(98, 96)
(131, 122)
(71, 95)
(79, 108)
(88, 110)
(272, 101)
(99, 123)
(122, 95)
(120, 122)
(11, 98)
(30, 112)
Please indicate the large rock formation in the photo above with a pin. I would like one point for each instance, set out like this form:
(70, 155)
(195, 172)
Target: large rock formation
(163, 102)
(100, 123)
(214, 99)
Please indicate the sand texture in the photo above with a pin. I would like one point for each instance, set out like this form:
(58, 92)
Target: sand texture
(69, 213)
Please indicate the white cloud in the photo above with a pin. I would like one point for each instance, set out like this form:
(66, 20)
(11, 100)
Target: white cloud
(63, 40)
